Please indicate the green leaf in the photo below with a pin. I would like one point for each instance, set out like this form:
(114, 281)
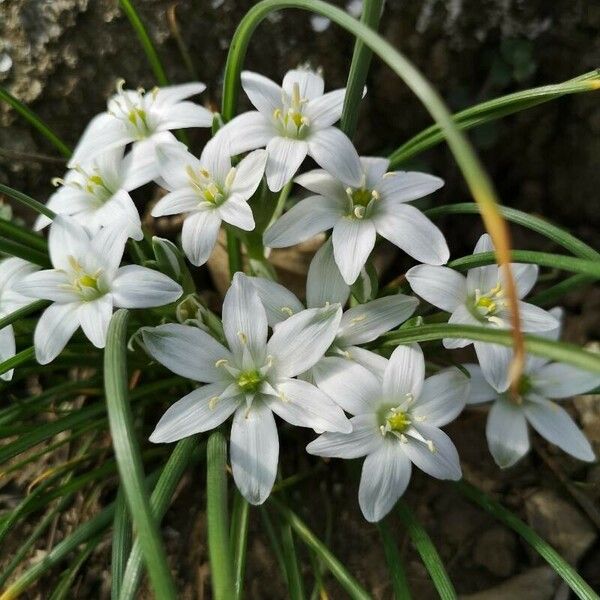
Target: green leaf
(128, 457)
(25, 252)
(239, 540)
(558, 351)
(429, 555)
(25, 311)
(21, 235)
(18, 359)
(36, 122)
(26, 200)
(394, 563)
(121, 544)
(63, 588)
(564, 569)
(492, 110)
(216, 514)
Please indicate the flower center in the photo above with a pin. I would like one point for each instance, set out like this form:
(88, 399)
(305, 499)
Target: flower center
(359, 199)
(249, 381)
(396, 419)
(290, 119)
(131, 107)
(87, 286)
(485, 307)
(93, 184)
(207, 188)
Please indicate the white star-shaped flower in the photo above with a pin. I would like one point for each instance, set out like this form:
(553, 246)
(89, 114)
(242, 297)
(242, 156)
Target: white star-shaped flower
(479, 299)
(293, 121)
(86, 283)
(396, 424)
(251, 377)
(377, 204)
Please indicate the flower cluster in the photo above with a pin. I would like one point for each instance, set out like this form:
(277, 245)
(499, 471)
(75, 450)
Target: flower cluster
(314, 364)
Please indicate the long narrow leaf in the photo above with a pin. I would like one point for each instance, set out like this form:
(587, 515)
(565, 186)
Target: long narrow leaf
(25, 311)
(26, 200)
(394, 563)
(25, 252)
(21, 235)
(121, 545)
(19, 358)
(239, 541)
(129, 459)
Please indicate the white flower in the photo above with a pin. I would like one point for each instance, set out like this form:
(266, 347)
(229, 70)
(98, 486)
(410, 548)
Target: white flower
(542, 382)
(396, 423)
(12, 270)
(86, 283)
(251, 377)
(99, 194)
(209, 190)
(359, 325)
(292, 121)
(479, 299)
(376, 204)
(145, 119)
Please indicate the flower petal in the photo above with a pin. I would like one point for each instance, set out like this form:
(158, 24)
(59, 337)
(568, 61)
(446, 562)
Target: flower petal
(7, 349)
(248, 131)
(334, 152)
(353, 240)
(263, 93)
(184, 114)
(300, 341)
(49, 284)
(187, 351)
(461, 316)
(54, 329)
(483, 278)
(406, 186)
(507, 435)
(140, 287)
(405, 372)
(310, 83)
(285, 157)
(196, 412)
(495, 364)
(441, 286)
(479, 389)
(244, 318)
(199, 235)
(348, 384)
(108, 245)
(322, 183)
(304, 220)
(177, 202)
(326, 110)
(557, 380)
(94, 318)
(254, 449)
(67, 239)
(170, 94)
(525, 276)
(553, 423)
(304, 405)
(324, 282)
(369, 360)
(141, 164)
(375, 168)
(237, 212)
(409, 229)
(534, 318)
(366, 322)
(172, 160)
(442, 398)
(385, 476)
(278, 301)
(248, 174)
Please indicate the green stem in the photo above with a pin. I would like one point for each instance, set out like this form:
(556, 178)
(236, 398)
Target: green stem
(394, 563)
(121, 544)
(239, 541)
(27, 201)
(18, 359)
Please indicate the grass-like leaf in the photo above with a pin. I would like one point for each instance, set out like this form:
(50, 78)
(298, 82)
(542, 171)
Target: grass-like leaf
(394, 563)
(25, 311)
(428, 553)
(25, 252)
(121, 544)
(239, 541)
(128, 456)
(564, 569)
(26, 200)
(21, 235)
(18, 359)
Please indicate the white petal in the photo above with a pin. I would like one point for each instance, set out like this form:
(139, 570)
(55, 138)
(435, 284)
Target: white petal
(140, 287)
(461, 316)
(103, 133)
(334, 152)
(495, 363)
(237, 212)
(94, 317)
(172, 160)
(432, 451)
(278, 301)
(199, 235)
(375, 168)
(54, 329)
(186, 351)
(483, 278)
(175, 93)
(322, 183)
(441, 286)
(248, 131)
(326, 110)
(49, 284)
(409, 229)
(506, 432)
(285, 157)
(141, 164)
(194, 413)
(67, 239)
(402, 186)
(370, 360)
(557, 380)
(244, 318)
(123, 211)
(7, 349)
(310, 83)
(405, 372)
(324, 282)
(534, 318)
(248, 174)
(385, 476)
(304, 405)
(184, 114)
(553, 422)
(263, 93)
(109, 245)
(363, 439)
(216, 157)
(304, 220)
(254, 451)
(177, 202)
(525, 277)
(300, 341)
(366, 322)
(479, 389)
(353, 240)
(442, 398)
(348, 384)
